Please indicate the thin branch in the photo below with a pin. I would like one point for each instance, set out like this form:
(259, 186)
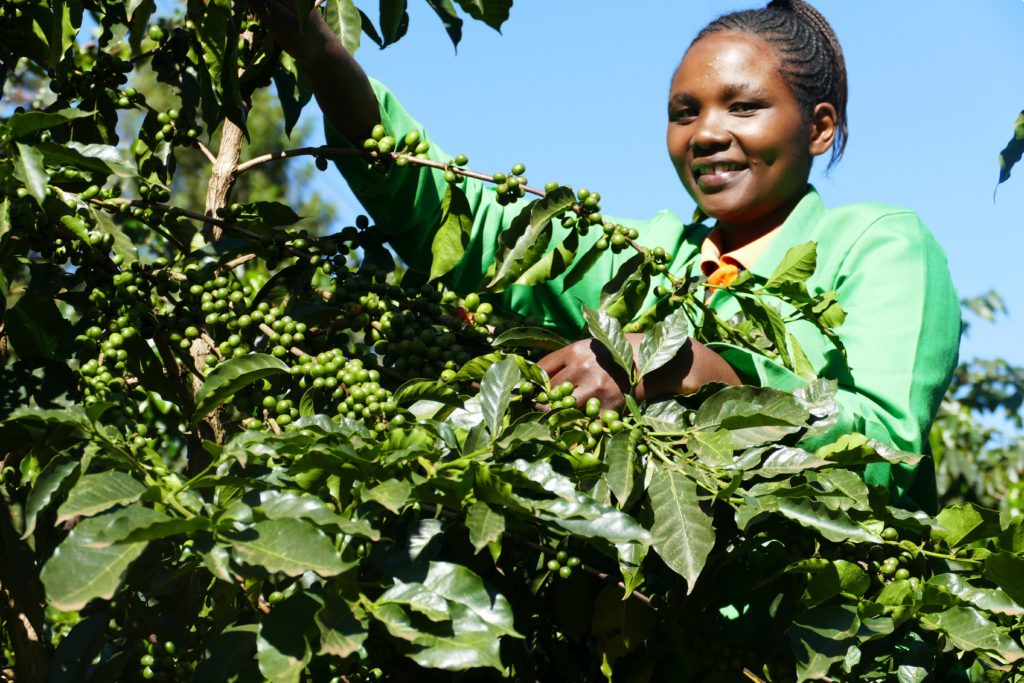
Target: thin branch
(206, 152)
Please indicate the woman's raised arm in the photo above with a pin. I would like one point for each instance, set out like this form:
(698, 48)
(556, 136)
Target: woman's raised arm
(340, 85)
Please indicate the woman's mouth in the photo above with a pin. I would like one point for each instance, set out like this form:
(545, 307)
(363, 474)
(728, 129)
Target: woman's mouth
(716, 174)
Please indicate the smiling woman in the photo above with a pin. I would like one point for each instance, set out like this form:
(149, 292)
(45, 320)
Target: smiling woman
(758, 95)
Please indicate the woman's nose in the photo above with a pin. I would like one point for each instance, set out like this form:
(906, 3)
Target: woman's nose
(710, 133)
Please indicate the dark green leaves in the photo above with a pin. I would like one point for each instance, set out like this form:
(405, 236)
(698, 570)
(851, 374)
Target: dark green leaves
(491, 12)
(970, 630)
(232, 375)
(394, 20)
(1011, 154)
(452, 237)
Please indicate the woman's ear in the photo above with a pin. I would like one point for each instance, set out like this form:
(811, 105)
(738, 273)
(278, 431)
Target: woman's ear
(823, 128)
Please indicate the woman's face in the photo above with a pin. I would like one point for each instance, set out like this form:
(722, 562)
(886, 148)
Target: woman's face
(736, 134)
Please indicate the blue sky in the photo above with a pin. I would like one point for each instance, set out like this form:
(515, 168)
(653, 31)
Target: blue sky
(577, 91)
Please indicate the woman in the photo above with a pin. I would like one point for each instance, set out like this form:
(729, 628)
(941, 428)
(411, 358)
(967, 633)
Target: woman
(758, 95)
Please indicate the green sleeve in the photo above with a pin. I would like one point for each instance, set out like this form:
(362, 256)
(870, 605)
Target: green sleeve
(406, 202)
(901, 333)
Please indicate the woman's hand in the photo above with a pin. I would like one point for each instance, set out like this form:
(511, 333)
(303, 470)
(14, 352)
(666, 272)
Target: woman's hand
(589, 366)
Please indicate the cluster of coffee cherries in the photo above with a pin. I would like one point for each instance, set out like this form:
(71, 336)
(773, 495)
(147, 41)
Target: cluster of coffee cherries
(380, 146)
(510, 187)
(562, 563)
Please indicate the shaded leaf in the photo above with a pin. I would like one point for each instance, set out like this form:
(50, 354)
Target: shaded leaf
(532, 338)
(452, 237)
(452, 22)
(44, 487)
(391, 493)
(23, 123)
(1013, 151)
(491, 12)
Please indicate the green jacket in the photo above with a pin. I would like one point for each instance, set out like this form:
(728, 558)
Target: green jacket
(890, 274)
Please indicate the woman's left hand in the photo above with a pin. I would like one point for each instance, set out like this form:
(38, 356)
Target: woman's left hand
(590, 368)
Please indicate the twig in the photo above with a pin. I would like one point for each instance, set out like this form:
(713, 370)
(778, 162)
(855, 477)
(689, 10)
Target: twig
(206, 152)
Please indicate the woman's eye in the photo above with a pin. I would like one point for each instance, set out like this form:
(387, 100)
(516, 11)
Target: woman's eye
(682, 115)
(744, 107)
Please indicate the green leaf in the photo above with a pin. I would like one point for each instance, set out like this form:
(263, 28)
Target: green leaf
(754, 416)
(288, 545)
(619, 458)
(553, 263)
(1006, 570)
(342, 630)
(491, 12)
(104, 159)
(833, 525)
(582, 266)
(820, 637)
(966, 523)
(662, 342)
(123, 244)
(624, 301)
(394, 20)
(452, 237)
(1013, 151)
(77, 572)
(425, 390)
(28, 166)
(528, 238)
(452, 23)
(989, 599)
(26, 122)
(789, 460)
(683, 534)
(531, 338)
(485, 525)
(391, 493)
(455, 585)
(496, 393)
(95, 493)
(282, 649)
(343, 19)
(232, 375)
(796, 266)
(283, 504)
(46, 484)
(608, 331)
(968, 629)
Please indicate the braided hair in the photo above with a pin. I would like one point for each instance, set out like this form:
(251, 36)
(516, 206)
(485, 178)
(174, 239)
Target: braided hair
(812, 59)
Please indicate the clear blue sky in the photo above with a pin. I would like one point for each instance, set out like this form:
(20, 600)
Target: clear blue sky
(577, 91)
